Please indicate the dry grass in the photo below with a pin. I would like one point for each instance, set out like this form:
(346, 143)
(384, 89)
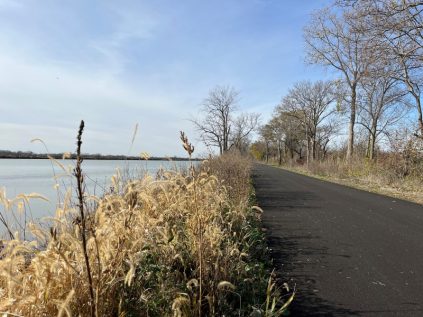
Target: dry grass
(233, 170)
(390, 175)
(175, 244)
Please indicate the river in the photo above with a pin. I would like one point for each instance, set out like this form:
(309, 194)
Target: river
(48, 179)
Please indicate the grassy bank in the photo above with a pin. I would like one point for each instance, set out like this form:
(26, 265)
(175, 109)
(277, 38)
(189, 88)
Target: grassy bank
(387, 177)
(176, 244)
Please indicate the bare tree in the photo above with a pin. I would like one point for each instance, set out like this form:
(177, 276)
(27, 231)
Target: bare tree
(220, 126)
(278, 135)
(311, 104)
(397, 24)
(413, 79)
(404, 17)
(335, 42)
(325, 134)
(266, 133)
(288, 134)
(218, 108)
(382, 103)
(243, 126)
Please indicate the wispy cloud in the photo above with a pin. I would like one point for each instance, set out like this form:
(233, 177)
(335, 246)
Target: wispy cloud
(10, 4)
(129, 29)
(148, 62)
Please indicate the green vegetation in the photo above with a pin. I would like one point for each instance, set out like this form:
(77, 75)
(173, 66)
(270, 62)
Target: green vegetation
(177, 244)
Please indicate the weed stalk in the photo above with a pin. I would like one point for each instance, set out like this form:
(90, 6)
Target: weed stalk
(80, 193)
(189, 148)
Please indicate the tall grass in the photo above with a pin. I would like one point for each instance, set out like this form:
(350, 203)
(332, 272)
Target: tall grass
(178, 244)
(233, 169)
(397, 174)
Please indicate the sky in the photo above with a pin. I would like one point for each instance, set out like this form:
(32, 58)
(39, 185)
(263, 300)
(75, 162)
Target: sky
(116, 64)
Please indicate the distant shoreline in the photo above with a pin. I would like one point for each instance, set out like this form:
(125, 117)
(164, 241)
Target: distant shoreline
(100, 157)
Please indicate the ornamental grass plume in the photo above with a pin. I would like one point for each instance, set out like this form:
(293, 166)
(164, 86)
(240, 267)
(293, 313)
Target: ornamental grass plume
(174, 245)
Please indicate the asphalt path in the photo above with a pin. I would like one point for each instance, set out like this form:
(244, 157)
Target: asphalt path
(349, 252)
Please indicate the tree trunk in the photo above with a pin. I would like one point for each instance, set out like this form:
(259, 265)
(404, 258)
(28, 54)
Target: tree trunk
(225, 137)
(368, 146)
(308, 146)
(372, 144)
(415, 95)
(279, 153)
(350, 148)
(420, 117)
(290, 150)
(307, 152)
(313, 148)
(267, 152)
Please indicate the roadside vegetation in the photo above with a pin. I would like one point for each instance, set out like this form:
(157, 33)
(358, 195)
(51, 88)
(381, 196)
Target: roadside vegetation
(364, 127)
(172, 244)
(384, 176)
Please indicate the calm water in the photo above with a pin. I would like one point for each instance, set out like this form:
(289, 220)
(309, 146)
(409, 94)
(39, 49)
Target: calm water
(37, 176)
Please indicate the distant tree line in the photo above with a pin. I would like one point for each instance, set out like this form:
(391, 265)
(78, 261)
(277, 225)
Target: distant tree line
(375, 49)
(4, 154)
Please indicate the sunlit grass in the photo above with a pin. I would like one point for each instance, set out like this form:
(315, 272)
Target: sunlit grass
(179, 243)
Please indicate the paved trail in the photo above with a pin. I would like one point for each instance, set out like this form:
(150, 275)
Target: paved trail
(350, 252)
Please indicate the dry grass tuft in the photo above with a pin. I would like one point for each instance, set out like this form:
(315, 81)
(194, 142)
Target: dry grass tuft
(234, 171)
(398, 175)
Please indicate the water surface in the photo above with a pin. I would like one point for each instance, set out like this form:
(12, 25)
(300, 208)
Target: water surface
(41, 176)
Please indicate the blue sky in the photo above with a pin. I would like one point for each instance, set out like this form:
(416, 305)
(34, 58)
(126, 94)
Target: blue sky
(118, 63)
